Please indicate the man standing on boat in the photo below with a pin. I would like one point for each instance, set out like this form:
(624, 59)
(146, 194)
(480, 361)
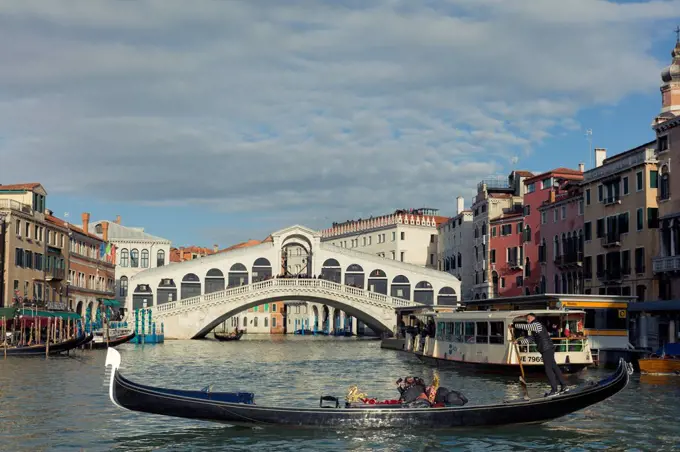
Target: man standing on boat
(547, 350)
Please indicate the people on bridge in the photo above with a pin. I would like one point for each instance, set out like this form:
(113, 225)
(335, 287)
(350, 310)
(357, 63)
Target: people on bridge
(544, 344)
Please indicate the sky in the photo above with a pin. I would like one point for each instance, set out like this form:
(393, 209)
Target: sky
(218, 122)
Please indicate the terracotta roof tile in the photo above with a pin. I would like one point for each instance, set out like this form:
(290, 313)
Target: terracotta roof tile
(523, 173)
(246, 244)
(61, 223)
(26, 186)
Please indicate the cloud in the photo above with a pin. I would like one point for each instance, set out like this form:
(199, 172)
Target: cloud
(321, 108)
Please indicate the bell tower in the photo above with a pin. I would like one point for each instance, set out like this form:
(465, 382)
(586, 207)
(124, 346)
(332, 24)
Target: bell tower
(670, 85)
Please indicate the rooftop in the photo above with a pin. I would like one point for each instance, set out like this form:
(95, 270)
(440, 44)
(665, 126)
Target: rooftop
(20, 187)
(70, 226)
(120, 232)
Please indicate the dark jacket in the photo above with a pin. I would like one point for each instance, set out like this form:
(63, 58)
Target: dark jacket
(541, 336)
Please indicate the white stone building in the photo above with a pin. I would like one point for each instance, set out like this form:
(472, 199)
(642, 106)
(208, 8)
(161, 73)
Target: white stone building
(136, 251)
(406, 235)
(455, 248)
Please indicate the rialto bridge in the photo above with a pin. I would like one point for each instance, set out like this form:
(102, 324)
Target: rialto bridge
(191, 298)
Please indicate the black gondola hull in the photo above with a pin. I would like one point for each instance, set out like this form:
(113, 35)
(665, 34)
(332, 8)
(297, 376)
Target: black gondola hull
(113, 342)
(185, 404)
(226, 337)
(55, 349)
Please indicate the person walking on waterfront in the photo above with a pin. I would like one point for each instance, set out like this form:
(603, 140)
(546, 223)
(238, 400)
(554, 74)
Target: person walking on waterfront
(547, 350)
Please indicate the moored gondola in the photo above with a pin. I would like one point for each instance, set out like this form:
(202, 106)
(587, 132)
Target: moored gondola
(101, 343)
(54, 349)
(224, 337)
(239, 408)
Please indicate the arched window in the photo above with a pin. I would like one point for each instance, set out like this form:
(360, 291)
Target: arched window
(134, 258)
(145, 258)
(557, 284)
(123, 286)
(160, 258)
(266, 322)
(255, 322)
(124, 257)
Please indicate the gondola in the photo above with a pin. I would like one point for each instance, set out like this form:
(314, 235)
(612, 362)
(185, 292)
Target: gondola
(102, 344)
(41, 349)
(240, 409)
(224, 337)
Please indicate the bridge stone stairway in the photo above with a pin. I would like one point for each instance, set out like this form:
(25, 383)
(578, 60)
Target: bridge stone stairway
(374, 304)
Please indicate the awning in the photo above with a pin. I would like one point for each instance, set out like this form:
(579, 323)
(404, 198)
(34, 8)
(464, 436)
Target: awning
(654, 306)
(7, 313)
(56, 314)
(110, 302)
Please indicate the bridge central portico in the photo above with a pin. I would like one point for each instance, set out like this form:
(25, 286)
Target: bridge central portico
(193, 297)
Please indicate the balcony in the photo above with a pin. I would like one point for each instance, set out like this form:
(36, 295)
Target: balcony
(611, 200)
(15, 205)
(55, 274)
(666, 264)
(515, 264)
(493, 184)
(569, 260)
(611, 240)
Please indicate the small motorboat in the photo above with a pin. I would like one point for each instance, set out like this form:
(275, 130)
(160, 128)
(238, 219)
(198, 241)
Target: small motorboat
(240, 408)
(666, 361)
(99, 342)
(224, 336)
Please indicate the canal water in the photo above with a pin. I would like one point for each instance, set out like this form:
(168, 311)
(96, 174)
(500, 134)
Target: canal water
(62, 404)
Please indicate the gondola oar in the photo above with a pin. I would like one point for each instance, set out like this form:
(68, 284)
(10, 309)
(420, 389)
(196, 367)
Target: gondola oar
(521, 368)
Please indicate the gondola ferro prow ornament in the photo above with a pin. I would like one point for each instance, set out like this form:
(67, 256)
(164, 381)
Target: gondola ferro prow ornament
(112, 360)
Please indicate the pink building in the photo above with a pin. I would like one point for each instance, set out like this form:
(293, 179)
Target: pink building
(506, 255)
(541, 189)
(562, 235)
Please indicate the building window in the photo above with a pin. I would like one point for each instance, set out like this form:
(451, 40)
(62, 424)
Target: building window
(653, 179)
(665, 188)
(520, 281)
(273, 322)
(145, 258)
(543, 218)
(393, 255)
(493, 231)
(652, 217)
(28, 230)
(546, 183)
(580, 207)
(431, 259)
(160, 258)
(625, 185)
(432, 236)
(600, 193)
(662, 143)
(564, 212)
(394, 236)
(123, 286)
(555, 215)
(638, 181)
(274, 307)
(124, 257)
(588, 197)
(19, 257)
(403, 236)
(255, 319)
(134, 258)
(531, 188)
(402, 256)
(639, 260)
(640, 219)
(493, 256)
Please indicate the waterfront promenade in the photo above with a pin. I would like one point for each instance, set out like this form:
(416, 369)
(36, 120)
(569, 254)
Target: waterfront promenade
(61, 403)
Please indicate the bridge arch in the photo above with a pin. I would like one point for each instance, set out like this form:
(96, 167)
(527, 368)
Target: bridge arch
(401, 287)
(238, 275)
(262, 269)
(331, 270)
(378, 323)
(354, 276)
(167, 291)
(377, 281)
(191, 286)
(214, 280)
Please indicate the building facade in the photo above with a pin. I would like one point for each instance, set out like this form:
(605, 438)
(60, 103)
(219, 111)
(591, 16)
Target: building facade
(22, 209)
(455, 248)
(91, 269)
(562, 241)
(136, 251)
(188, 253)
(506, 255)
(541, 189)
(621, 221)
(408, 235)
(494, 198)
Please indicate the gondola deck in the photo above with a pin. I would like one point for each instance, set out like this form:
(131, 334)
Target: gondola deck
(222, 407)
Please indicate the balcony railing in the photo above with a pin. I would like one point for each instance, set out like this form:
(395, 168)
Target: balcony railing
(515, 263)
(611, 240)
(615, 199)
(569, 259)
(611, 275)
(495, 183)
(15, 205)
(666, 264)
(55, 274)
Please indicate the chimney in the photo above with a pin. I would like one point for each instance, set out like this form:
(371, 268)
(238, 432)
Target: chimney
(582, 167)
(105, 231)
(460, 205)
(117, 219)
(215, 248)
(600, 155)
(86, 221)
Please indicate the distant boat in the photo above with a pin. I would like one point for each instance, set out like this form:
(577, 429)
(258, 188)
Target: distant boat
(224, 336)
(100, 341)
(42, 349)
(666, 361)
